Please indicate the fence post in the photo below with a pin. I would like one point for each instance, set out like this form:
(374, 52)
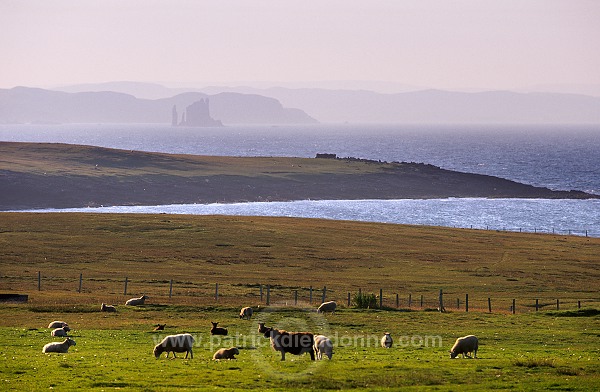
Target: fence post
(578, 304)
(398, 301)
(324, 293)
(348, 299)
(39, 281)
(467, 303)
(537, 304)
(261, 293)
(268, 294)
(489, 304)
(557, 304)
(380, 298)
(514, 306)
(125, 289)
(409, 300)
(421, 301)
(171, 288)
(310, 296)
(441, 307)
(216, 292)
(80, 279)
(295, 297)
(457, 303)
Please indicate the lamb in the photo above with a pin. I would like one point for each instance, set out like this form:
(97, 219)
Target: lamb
(226, 353)
(465, 345)
(246, 313)
(327, 307)
(386, 340)
(176, 344)
(295, 343)
(107, 308)
(137, 301)
(322, 346)
(57, 324)
(60, 332)
(160, 327)
(56, 347)
(217, 330)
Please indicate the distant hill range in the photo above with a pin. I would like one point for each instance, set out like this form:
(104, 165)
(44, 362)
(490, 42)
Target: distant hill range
(419, 107)
(33, 105)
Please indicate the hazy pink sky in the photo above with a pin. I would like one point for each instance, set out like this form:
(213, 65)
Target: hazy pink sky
(441, 44)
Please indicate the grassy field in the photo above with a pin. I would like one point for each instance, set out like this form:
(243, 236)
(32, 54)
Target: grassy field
(549, 349)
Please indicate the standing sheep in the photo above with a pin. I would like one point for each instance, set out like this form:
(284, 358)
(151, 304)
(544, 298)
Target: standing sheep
(386, 340)
(217, 330)
(226, 353)
(465, 345)
(60, 332)
(56, 347)
(137, 301)
(107, 308)
(175, 344)
(57, 324)
(327, 307)
(322, 346)
(246, 313)
(262, 329)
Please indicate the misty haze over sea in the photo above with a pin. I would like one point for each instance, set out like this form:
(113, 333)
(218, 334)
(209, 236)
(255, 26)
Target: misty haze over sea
(557, 157)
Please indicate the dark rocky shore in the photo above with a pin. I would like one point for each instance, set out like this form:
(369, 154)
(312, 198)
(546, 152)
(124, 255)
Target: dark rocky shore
(38, 175)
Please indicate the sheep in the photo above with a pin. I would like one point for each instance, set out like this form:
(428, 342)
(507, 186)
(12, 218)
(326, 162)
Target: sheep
(327, 307)
(465, 345)
(107, 308)
(57, 324)
(386, 340)
(322, 346)
(160, 327)
(60, 332)
(292, 342)
(262, 329)
(56, 347)
(246, 313)
(217, 330)
(137, 301)
(226, 353)
(176, 344)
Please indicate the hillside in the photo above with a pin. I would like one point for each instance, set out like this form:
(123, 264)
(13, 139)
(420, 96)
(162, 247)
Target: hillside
(39, 175)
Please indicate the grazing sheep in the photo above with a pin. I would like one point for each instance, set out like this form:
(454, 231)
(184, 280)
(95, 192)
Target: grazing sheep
(217, 330)
(465, 345)
(291, 342)
(137, 301)
(226, 353)
(246, 313)
(386, 340)
(262, 329)
(57, 324)
(327, 307)
(160, 327)
(107, 308)
(56, 347)
(60, 332)
(323, 346)
(175, 344)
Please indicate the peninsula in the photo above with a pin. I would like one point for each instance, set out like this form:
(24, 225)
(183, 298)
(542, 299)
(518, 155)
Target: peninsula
(43, 175)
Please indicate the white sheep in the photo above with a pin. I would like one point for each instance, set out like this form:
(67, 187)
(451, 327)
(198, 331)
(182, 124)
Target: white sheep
(465, 345)
(246, 313)
(56, 347)
(386, 340)
(57, 324)
(322, 346)
(226, 353)
(183, 342)
(107, 308)
(327, 307)
(60, 332)
(137, 301)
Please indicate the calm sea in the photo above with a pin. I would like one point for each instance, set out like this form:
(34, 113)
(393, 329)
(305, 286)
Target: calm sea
(557, 157)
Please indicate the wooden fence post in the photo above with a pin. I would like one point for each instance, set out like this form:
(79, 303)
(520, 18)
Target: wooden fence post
(557, 307)
(441, 307)
(261, 293)
(310, 296)
(216, 292)
(578, 304)
(171, 288)
(490, 304)
(348, 299)
(380, 298)
(514, 306)
(125, 289)
(457, 303)
(268, 294)
(324, 293)
(409, 300)
(421, 301)
(39, 281)
(398, 300)
(467, 303)
(537, 304)
(295, 297)
(80, 279)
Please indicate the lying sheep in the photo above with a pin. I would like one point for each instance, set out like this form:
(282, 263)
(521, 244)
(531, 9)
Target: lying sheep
(137, 301)
(57, 347)
(57, 324)
(226, 353)
(60, 332)
(246, 313)
(386, 340)
(107, 308)
(217, 330)
(322, 346)
(160, 327)
(175, 344)
(465, 345)
(327, 307)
